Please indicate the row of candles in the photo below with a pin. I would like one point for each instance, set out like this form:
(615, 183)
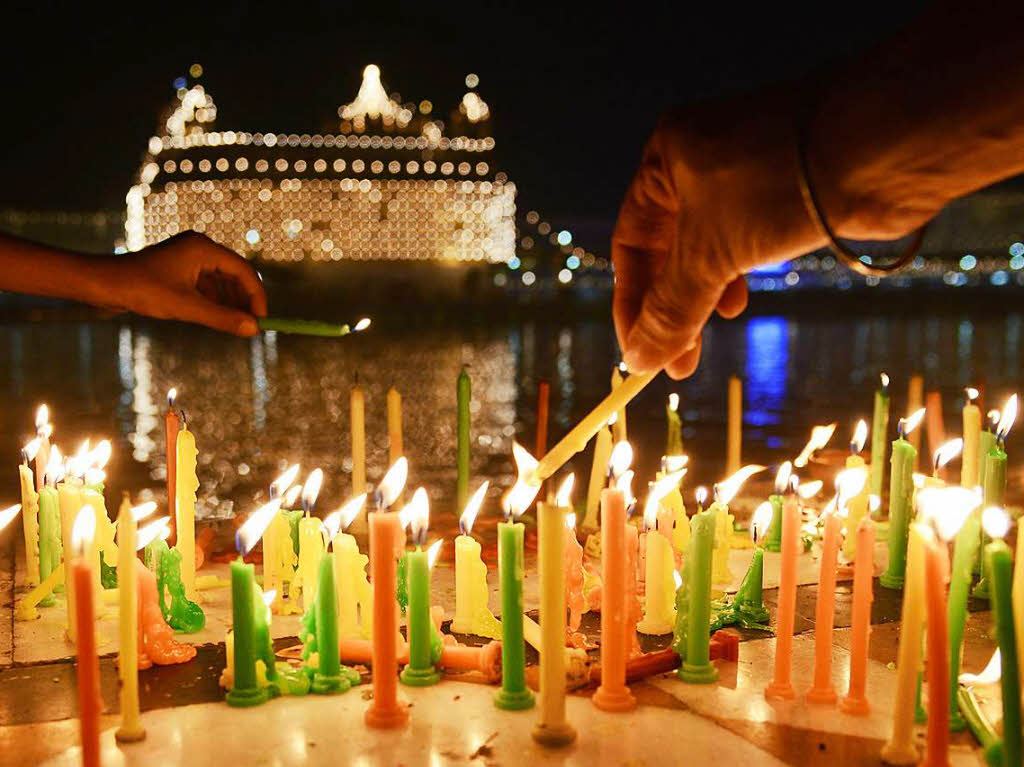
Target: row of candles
(618, 540)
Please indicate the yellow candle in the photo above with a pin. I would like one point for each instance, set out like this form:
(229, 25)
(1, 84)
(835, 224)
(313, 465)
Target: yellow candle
(355, 595)
(26, 607)
(915, 401)
(311, 549)
(598, 477)
(659, 607)
(131, 728)
(673, 503)
(30, 523)
(472, 596)
(720, 572)
(857, 509)
(553, 729)
(577, 439)
(969, 476)
(394, 401)
(734, 432)
(185, 508)
(69, 495)
(900, 748)
(357, 425)
(619, 426)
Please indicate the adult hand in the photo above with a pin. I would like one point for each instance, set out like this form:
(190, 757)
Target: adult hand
(190, 277)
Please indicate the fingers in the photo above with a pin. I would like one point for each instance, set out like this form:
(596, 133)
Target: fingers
(734, 300)
(193, 307)
(684, 365)
(633, 275)
(234, 266)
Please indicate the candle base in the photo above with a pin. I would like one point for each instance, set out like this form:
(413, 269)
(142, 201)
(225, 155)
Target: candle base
(655, 627)
(779, 691)
(614, 700)
(554, 735)
(822, 696)
(386, 717)
(891, 580)
(981, 591)
(855, 706)
(773, 546)
(900, 754)
(247, 697)
(698, 673)
(130, 734)
(514, 700)
(419, 677)
(329, 685)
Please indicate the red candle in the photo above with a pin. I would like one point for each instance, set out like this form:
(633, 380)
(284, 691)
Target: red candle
(856, 701)
(171, 428)
(90, 702)
(386, 711)
(543, 395)
(936, 571)
(822, 690)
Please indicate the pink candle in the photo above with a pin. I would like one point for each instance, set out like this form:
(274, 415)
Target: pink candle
(385, 535)
(781, 686)
(856, 701)
(613, 694)
(936, 571)
(822, 690)
(573, 575)
(90, 701)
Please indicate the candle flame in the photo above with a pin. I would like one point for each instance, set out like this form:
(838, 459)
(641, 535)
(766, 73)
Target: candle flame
(810, 489)
(392, 485)
(363, 324)
(472, 509)
(433, 551)
(416, 514)
(911, 422)
(521, 494)
(253, 528)
(159, 528)
(621, 459)
(311, 490)
(95, 477)
(83, 529)
(874, 502)
(820, 435)
(919, 479)
(32, 448)
(100, 455)
(47, 431)
(269, 597)
(143, 510)
(947, 452)
(991, 674)
(672, 463)
(570, 521)
(678, 579)
(701, 496)
(860, 436)
(8, 514)
(673, 402)
(563, 498)
(760, 520)
(172, 394)
(849, 483)
(993, 417)
(1006, 419)
(971, 393)
(55, 466)
(348, 512)
(42, 416)
(624, 484)
(884, 378)
(659, 490)
(290, 496)
(283, 482)
(782, 477)
(947, 508)
(994, 520)
(613, 418)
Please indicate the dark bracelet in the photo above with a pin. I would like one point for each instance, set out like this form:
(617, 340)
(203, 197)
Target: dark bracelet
(845, 254)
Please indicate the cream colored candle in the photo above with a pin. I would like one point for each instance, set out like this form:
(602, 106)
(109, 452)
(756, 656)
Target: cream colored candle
(131, 728)
(619, 425)
(598, 477)
(857, 508)
(30, 523)
(969, 476)
(734, 429)
(311, 549)
(394, 404)
(186, 487)
(659, 605)
(357, 414)
(720, 572)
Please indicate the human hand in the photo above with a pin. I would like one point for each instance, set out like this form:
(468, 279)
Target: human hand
(190, 277)
(715, 195)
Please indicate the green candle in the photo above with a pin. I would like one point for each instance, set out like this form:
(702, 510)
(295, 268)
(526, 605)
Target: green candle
(330, 677)
(246, 690)
(879, 431)
(513, 694)
(1000, 569)
(50, 546)
(964, 552)
(674, 438)
(901, 493)
(420, 672)
(994, 494)
(309, 327)
(181, 614)
(696, 665)
(986, 441)
(773, 536)
(981, 727)
(463, 395)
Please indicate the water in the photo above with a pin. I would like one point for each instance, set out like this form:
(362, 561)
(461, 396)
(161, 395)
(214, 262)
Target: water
(258, 405)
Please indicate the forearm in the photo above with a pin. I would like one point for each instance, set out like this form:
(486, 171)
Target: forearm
(931, 115)
(33, 269)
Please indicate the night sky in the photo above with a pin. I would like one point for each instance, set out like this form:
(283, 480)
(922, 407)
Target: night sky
(573, 93)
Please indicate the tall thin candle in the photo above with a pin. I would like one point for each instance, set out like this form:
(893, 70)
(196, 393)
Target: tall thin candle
(781, 686)
(598, 477)
(420, 671)
(822, 690)
(385, 711)
(131, 729)
(971, 414)
(463, 390)
(90, 700)
(171, 427)
(879, 430)
(856, 700)
(915, 401)
(357, 427)
(693, 606)
(734, 431)
(901, 492)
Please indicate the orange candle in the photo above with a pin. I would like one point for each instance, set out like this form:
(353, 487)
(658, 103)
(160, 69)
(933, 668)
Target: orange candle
(856, 701)
(386, 711)
(781, 686)
(543, 396)
(936, 572)
(613, 694)
(171, 428)
(822, 690)
(935, 425)
(90, 702)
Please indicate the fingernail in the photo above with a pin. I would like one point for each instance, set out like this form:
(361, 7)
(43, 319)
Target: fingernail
(248, 327)
(634, 360)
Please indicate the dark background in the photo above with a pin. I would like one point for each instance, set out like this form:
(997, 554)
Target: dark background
(573, 92)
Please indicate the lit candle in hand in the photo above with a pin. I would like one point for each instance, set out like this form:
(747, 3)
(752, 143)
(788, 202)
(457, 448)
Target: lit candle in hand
(472, 614)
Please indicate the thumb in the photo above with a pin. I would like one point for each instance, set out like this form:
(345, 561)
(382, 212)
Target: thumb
(671, 318)
(202, 311)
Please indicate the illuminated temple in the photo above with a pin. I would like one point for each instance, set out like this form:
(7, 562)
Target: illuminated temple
(393, 183)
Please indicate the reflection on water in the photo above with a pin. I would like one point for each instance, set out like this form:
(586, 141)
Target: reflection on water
(258, 404)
